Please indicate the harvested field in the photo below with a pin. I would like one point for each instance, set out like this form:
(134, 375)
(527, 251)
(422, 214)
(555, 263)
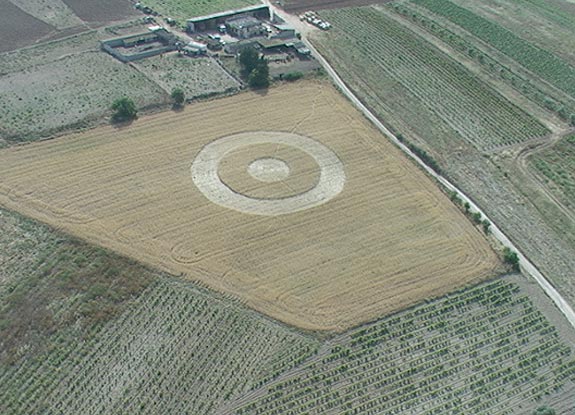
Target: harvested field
(485, 176)
(102, 12)
(297, 6)
(195, 76)
(388, 239)
(18, 28)
(72, 90)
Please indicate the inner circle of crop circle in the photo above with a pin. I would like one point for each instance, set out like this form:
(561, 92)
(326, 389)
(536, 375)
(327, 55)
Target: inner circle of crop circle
(205, 173)
(269, 169)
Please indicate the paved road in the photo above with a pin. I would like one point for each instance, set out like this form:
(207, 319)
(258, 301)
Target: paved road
(527, 267)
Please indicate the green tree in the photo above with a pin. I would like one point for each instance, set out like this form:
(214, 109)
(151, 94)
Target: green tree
(510, 257)
(125, 110)
(486, 226)
(260, 76)
(544, 410)
(249, 59)
(178, 96)
(254, 68)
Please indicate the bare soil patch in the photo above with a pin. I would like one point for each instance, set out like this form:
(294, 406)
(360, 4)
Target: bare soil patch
(103, 11)
(18, 29)
(297, 6)
(390, 239)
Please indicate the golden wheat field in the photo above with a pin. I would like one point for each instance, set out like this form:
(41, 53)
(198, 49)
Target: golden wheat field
(290, 202)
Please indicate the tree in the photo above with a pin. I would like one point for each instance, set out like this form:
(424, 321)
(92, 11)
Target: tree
(511, 258)
(125, 110)
(254, 68)
(260, 76)
(178, 96)
(249, 58)
(544, 410)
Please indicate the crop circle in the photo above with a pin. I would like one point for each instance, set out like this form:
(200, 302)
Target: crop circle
(267, 169)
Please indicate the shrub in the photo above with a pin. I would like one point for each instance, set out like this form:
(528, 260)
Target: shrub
(293, 76)
(125, 110)
(510, 257)
(178, 96)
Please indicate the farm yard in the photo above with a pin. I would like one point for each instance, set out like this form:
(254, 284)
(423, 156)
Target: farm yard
(71, 83)
(195, 76)
(474, 352)
(295, 267)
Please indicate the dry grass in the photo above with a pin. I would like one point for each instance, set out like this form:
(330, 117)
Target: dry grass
(388, 240)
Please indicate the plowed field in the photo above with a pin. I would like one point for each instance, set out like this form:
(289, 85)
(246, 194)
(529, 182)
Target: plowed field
(362, 231)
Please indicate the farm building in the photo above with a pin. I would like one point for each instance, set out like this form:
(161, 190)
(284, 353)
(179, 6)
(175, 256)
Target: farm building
(245, 27)
(213, 21)
(284, 31)
(139, 46)
(277, 45)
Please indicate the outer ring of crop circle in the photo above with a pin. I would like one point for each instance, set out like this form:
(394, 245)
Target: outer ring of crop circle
(205, 174)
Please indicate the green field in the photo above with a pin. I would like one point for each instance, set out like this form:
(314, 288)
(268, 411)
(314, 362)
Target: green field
(185, 9)
(550, 24)
(540, 61)
(430, 93)
(557, 166)
(84, 331)
(472, 48)
(486, 350)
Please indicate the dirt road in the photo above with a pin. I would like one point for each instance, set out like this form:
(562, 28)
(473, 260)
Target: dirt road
(526, 265)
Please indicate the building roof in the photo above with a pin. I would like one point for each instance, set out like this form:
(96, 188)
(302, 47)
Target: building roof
(283, 27)
(228, 13)
(243, 22)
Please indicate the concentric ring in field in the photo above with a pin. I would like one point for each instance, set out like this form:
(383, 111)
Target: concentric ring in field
(268, 168)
